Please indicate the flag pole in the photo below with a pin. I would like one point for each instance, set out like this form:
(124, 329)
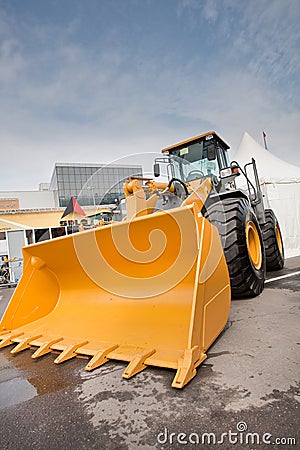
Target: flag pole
(265, 141)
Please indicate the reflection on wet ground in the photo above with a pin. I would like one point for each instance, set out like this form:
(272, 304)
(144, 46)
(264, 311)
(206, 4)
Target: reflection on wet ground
(13, 388)
(47, 406)
(22, 378)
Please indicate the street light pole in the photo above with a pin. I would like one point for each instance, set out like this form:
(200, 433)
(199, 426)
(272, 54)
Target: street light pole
(93, 195)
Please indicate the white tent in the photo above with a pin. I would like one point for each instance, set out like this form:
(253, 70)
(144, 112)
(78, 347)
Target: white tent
(280, 184)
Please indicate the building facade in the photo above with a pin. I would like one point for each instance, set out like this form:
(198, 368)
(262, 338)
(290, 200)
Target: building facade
(23, 200)
(91, 184)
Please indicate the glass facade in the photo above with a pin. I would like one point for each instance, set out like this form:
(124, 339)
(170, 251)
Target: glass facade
(91, 184)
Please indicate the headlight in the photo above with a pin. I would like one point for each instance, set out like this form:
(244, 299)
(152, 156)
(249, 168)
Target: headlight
(225, 172)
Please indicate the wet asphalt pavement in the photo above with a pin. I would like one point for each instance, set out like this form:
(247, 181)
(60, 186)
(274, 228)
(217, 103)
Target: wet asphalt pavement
(248, 384)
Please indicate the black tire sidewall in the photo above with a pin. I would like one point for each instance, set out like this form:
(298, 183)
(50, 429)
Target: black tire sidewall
(245, 279)
(274, 257)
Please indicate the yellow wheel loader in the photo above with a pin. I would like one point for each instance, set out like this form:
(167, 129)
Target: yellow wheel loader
(153, 289)
(250, 234)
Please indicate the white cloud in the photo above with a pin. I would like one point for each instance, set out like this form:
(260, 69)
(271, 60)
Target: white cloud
(11, 61)
(68, 102)
(210, 10)
(269, 37)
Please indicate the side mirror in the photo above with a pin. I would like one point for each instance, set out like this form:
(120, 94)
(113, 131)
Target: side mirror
(156, 170)
(211, 152)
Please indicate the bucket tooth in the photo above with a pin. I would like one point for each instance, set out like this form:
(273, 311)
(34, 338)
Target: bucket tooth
(100, 358)
(136, 365)
(187, 366)
(69, 352)
(45, 348)
(24, 343)
(8, 339)
(4, 334)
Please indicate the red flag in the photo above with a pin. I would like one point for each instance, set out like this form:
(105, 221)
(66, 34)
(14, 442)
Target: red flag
(73, 207)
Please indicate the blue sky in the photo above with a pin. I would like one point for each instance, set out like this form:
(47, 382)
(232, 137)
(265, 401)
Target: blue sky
(95, 80)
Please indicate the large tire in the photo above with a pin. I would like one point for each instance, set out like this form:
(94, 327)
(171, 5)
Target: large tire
(273, 242)
(242, 242)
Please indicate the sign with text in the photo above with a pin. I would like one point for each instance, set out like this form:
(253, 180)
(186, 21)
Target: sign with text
(9, 203)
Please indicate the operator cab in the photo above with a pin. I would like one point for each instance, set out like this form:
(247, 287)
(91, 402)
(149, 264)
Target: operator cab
(202, 156)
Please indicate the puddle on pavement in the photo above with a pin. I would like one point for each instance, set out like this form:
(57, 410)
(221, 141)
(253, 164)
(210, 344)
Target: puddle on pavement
(14, 391)
(22, 378)
(14, 388)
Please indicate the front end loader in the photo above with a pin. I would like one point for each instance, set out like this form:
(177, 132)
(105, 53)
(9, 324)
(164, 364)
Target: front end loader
(155, 288)
(152, 290)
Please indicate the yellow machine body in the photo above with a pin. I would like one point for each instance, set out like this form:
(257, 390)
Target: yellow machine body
(152, 291)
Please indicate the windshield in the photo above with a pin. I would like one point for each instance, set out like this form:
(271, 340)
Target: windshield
(191, 162)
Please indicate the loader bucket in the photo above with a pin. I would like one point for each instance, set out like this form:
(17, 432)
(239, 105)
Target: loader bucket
(153, 291)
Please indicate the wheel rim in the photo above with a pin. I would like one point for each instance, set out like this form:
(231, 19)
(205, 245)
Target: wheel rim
(278, 238)
(253, 245)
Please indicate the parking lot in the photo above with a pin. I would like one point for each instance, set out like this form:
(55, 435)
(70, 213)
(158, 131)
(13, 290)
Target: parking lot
(245, 395)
